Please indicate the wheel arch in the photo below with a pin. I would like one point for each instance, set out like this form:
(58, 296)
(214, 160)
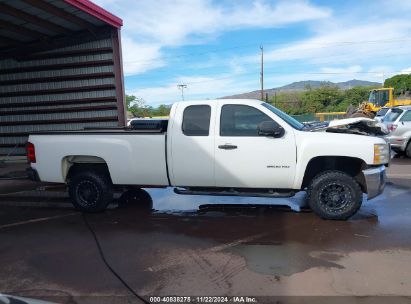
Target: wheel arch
(353, 166)
(71, 164)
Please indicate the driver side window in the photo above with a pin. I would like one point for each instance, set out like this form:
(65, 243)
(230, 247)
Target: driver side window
(241, 120)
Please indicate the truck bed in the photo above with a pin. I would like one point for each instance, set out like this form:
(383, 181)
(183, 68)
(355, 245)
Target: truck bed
(134, 157)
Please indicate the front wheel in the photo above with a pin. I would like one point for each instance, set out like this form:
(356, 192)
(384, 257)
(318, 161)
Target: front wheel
(334, 195)
(90, 191)
(408, 150)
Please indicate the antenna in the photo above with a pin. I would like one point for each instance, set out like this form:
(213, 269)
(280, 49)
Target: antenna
(182, 87)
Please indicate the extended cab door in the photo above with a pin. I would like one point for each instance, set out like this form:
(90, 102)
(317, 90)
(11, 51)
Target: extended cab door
(191, 139)
(245, 159)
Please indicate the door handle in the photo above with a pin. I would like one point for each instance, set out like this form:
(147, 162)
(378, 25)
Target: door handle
(227, 147)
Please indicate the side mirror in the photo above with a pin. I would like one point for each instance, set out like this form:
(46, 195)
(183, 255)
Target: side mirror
(270, 128)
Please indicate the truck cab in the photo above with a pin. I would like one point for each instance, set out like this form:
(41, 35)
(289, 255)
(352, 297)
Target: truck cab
(218, 144)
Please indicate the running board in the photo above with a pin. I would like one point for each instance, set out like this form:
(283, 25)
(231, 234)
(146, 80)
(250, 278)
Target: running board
(233, 192)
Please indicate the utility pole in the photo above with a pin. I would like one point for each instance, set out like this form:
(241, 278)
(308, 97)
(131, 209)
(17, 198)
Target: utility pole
(182, 87)
(262, 72)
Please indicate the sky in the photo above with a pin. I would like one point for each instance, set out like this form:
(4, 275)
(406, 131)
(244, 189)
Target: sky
(213, 47)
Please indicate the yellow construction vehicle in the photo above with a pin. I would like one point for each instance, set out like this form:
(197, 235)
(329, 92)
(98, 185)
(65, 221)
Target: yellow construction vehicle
(379, 98)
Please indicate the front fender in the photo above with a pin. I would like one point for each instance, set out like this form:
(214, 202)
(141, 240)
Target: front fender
(322, 144)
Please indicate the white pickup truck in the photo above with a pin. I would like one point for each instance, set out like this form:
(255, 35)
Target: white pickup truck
(217, 147)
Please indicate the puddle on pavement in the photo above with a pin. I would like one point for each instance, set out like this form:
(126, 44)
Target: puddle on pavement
(166, 201)
(285, 259)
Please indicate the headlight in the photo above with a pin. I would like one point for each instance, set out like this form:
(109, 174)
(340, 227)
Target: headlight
(381, 154)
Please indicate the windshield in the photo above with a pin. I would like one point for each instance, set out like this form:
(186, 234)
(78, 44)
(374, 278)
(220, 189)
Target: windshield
(287, 118)
(392, 115)
(382, 112)
(379, 98)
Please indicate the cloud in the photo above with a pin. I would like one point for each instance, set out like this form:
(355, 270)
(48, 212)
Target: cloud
(406, 71)
(150, 26)
(347, 70)
(198, 87)
(132, 64)
(347, 43)
(172, 22)
(361, 48)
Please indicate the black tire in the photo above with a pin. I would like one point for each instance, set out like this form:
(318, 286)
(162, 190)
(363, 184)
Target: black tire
(136, 198)
(90, 191)
(408, 150)
(334, 195)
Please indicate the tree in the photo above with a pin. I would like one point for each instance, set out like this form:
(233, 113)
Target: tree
(137, 106)
(161, 110)
(320, 99)
(401, 83)
(326, 98)
(289, 102)
(353, 96)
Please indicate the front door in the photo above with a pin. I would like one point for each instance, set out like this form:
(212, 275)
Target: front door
(243, 159)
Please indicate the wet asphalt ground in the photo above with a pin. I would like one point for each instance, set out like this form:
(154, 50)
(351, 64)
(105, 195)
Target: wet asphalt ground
(189, 246)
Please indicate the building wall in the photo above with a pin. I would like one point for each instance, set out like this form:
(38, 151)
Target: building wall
(69, 88)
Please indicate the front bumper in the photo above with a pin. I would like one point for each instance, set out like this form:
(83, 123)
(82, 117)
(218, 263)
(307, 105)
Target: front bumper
(375, 181)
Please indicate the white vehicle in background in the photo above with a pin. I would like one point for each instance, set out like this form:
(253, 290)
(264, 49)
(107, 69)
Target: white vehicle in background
(398, 122)
(218, 147)
(381, 113)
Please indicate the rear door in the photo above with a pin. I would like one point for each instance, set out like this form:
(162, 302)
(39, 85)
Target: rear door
(243, 159)
(192, 145)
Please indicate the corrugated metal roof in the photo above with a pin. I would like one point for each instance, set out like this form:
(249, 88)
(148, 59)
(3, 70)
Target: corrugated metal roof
(97, 11)
(47, 19)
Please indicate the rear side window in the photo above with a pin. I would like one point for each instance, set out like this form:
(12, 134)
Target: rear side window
(196, 120)
(406, 116)
(392, 115)
(241, 120)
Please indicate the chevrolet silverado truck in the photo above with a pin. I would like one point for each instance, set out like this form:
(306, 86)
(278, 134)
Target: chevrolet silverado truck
(217, 147)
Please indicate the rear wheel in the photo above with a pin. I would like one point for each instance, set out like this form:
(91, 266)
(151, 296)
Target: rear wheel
(137, 198)
(334, 195)
(90, 191)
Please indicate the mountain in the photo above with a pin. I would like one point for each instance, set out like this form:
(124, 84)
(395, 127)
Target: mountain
(302, 85)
